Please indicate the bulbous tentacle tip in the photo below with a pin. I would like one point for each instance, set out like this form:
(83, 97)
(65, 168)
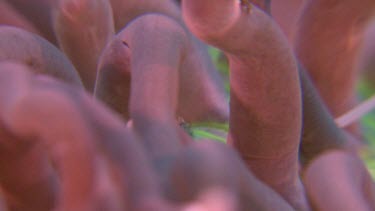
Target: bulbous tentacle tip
(67, 8)
(207, 19)
(77, 9)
